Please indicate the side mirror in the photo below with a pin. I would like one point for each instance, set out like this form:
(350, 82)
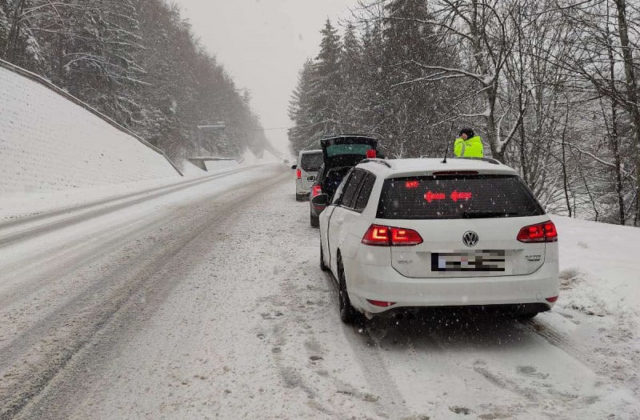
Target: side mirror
(320, 202)
(294, 166)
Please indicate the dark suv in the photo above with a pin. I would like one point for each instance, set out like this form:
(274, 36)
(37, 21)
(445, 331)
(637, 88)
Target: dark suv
(339, 155)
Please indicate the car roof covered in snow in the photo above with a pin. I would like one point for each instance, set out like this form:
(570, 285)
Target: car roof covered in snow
(427, 166)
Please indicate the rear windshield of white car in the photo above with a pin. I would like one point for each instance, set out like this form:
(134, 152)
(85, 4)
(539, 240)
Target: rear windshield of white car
(311, 161)
(456, 197)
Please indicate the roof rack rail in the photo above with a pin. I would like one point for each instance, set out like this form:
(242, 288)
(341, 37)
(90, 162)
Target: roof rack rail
(380, 161)
(484, 159)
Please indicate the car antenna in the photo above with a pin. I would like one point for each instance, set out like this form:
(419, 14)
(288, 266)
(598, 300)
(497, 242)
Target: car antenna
(446, 150)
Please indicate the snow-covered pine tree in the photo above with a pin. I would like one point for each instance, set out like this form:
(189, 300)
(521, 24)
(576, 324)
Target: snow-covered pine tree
(415, 106)
(326, 84)
(18, 32)
(186, 88)
(351, 100)
(303, 135)
(99, 56)
(373, 83)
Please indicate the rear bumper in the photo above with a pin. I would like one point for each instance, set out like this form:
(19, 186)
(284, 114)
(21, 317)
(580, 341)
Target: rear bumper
(383, 283)
(312, 209)
(301, 189)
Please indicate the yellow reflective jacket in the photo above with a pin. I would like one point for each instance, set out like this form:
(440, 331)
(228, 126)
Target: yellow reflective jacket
(469, 148)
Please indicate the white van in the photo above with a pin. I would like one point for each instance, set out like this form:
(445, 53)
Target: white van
(309, 162)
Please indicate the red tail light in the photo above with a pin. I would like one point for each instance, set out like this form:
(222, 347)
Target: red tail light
(542, 232)
(316, 190)
(377, 235)
(401, 236)
(390, 236)
(299, 173)
(380, 303)
(371, 154)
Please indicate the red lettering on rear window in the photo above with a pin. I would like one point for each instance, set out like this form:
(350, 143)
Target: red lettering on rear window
(431, 196)
(457, 196)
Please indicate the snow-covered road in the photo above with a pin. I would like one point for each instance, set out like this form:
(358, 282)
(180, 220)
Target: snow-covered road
(209, 302)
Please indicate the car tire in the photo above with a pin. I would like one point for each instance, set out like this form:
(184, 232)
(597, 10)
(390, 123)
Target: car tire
(348, 314)
(323, 266)
(314, 221)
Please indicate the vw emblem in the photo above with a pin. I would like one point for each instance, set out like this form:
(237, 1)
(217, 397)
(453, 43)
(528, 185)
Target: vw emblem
(470, 238)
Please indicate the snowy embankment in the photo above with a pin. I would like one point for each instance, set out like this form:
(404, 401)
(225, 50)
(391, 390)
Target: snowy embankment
(597, 316)
(57, 153)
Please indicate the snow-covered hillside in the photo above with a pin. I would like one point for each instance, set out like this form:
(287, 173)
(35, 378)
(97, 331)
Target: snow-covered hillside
(48, 143)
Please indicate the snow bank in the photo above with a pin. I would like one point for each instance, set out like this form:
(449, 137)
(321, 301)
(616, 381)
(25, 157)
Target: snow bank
(49, 143)
(598, 313)
(605, 251)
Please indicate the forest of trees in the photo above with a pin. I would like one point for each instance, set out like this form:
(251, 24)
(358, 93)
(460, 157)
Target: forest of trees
(551, 85)
(136, 61)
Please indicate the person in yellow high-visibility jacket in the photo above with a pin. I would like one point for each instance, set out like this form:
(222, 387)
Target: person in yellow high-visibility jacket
(468, 144)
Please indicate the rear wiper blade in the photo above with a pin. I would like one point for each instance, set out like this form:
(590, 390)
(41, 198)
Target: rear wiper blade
(482, 214)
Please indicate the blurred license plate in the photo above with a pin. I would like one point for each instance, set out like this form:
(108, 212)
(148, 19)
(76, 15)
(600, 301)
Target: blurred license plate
(490, 260)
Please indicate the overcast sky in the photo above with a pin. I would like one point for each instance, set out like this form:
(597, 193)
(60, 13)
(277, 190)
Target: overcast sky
(263, 45)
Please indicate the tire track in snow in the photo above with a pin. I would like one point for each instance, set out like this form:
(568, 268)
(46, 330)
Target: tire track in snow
(311, 348)
(369, 354)
(102, 208)
(592, 358)
(53, 344)
(558, 340)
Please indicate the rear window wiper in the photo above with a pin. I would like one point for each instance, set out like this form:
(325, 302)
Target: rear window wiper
(482, 214)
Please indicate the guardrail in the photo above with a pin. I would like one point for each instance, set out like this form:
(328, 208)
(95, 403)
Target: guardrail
(48, 84)
(200, 162)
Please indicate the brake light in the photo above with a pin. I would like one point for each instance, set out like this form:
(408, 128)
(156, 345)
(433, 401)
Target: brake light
(552, 299)
(412, 184)
(371, 154)
(299, 174)
(405, 237)
(316, 190)
(380, 303)
(455, 173)
(378, 235)
(541, 232)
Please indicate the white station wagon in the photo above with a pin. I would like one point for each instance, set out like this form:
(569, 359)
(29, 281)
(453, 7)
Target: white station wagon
(413, 233)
